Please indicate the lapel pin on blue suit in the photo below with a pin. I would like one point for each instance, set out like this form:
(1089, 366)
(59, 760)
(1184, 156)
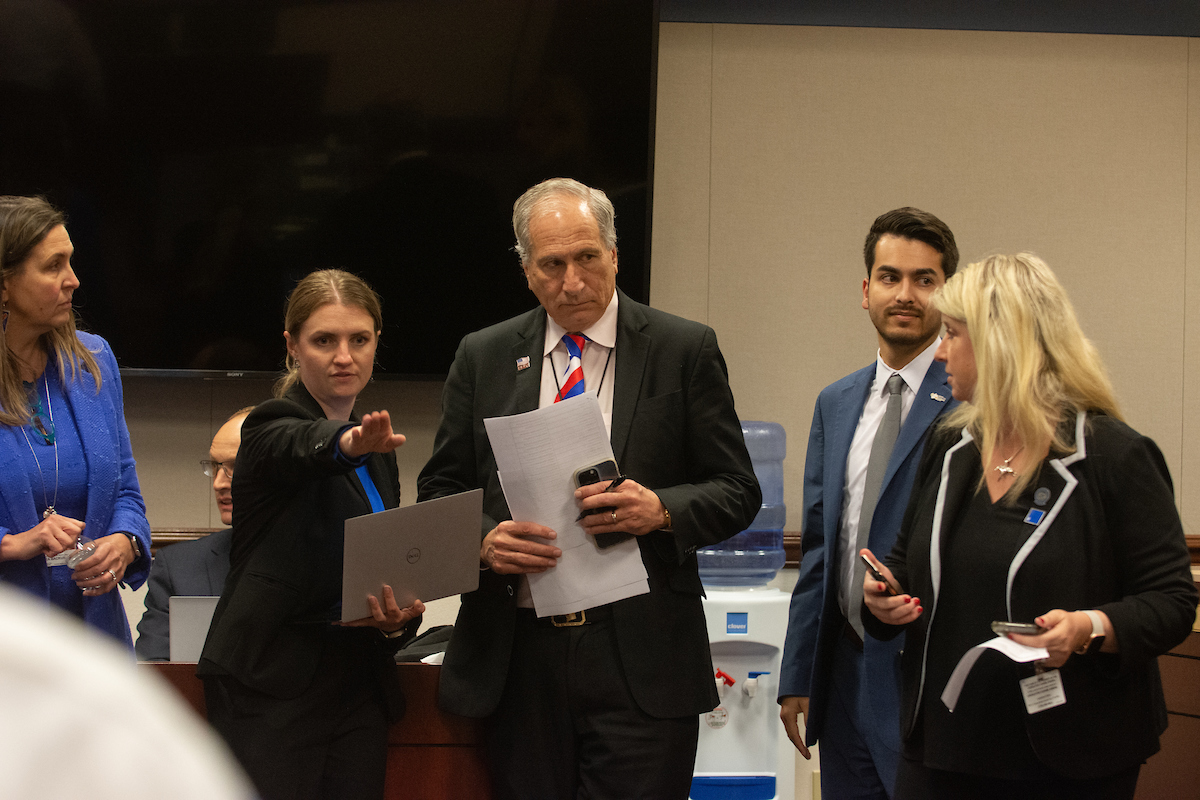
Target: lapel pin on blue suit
(936, 396)
(522, 363)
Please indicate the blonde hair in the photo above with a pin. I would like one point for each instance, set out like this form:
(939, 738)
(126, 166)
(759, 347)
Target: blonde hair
(321, 288)
(1034, 366)
(24, 223)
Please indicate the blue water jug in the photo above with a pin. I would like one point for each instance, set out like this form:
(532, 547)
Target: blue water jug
(754, 556)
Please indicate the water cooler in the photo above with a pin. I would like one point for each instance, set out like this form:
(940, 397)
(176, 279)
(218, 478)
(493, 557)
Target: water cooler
(743, 752)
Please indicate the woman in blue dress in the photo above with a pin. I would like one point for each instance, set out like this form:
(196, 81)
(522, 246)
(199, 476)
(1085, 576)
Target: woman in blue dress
(72, 520)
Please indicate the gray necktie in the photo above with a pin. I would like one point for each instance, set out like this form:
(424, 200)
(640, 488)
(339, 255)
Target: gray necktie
(881, 453)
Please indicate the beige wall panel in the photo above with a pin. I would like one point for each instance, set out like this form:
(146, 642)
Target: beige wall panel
(1188, 478)
(1061, 144)
(169, 430)
(681, 163)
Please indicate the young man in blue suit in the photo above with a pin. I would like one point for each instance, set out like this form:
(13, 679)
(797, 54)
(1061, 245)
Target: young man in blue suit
(844, 683)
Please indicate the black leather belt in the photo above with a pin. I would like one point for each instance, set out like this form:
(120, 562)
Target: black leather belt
(572, 620)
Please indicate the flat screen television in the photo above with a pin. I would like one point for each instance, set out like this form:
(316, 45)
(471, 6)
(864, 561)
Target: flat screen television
(209, 154)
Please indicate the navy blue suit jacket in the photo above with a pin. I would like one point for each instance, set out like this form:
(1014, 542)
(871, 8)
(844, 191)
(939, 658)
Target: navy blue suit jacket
(189, 569)
(815, 620)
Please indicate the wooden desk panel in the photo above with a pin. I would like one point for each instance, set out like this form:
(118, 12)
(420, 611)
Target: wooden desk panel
(432, 755)
(1175, 770)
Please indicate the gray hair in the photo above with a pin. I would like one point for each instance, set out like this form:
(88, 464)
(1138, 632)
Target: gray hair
(597, 201)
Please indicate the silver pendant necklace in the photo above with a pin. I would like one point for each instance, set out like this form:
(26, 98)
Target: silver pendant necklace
(1004, 469)
(49, 504)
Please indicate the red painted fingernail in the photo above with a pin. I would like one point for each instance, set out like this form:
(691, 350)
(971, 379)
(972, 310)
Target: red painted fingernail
(908, 599)
(919, 609)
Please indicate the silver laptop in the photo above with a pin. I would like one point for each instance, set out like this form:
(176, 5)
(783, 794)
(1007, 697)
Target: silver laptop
(426, 551)
(188, 621)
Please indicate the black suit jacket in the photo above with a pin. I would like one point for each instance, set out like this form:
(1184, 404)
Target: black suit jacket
(674, 430)
(1111, 540)
(190, 569)
(292, 496)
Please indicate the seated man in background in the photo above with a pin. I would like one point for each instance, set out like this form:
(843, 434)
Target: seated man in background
(193, 568)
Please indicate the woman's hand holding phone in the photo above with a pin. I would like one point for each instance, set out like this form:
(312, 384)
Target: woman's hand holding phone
(882, 595)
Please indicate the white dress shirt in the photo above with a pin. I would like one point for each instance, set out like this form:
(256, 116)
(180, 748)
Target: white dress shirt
(860, 453)
(599, 361)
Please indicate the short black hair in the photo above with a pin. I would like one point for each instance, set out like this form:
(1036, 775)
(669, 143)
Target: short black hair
(913, 223)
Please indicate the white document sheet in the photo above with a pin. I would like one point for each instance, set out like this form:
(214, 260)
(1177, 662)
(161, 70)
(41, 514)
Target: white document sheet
(537, 456)
(1017, 652)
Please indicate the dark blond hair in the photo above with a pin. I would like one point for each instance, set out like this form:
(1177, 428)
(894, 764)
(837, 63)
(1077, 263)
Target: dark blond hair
(1034, 366)
(24, 224)
(322, 288)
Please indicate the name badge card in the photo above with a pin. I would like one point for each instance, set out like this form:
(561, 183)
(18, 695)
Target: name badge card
(1042, 691)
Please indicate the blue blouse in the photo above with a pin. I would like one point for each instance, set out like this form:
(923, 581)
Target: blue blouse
(61, 481)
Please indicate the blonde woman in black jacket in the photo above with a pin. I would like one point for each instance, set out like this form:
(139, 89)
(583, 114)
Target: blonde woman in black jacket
(1035, 503)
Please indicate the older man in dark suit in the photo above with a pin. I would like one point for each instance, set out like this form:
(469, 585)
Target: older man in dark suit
(196, 568)
(601, 703)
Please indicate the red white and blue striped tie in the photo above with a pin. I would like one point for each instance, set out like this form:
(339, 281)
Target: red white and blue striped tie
(573, 381)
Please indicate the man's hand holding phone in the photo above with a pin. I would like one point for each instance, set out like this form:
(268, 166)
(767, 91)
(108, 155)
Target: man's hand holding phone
(612, 510)
(883, 595)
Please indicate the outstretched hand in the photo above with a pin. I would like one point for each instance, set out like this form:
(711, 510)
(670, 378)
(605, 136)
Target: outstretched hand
(373, 435)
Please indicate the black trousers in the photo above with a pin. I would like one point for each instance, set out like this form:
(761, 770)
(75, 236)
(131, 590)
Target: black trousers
(567, 726)
(330, 743)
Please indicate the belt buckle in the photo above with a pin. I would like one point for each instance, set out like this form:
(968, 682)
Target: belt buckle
(572, 620)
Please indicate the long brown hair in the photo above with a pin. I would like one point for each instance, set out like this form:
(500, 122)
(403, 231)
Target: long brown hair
(24, 223)
(317, 289)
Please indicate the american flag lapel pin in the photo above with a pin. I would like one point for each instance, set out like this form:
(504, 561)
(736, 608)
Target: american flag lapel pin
(522, 363)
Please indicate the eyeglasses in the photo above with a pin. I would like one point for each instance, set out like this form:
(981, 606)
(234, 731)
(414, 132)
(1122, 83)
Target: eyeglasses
(210, 468)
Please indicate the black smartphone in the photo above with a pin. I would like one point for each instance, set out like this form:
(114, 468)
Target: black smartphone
(594, 473)
(877, 575)
(1003, 628)
(604, 471)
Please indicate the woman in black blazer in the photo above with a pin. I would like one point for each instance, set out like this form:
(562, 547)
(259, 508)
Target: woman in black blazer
(304, 702)
(1036, 504)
